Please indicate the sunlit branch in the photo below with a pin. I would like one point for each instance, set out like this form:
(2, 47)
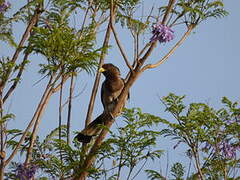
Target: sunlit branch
(30, 124)
(149, 66)
(169, 9)
(153, 45)
(70, 108)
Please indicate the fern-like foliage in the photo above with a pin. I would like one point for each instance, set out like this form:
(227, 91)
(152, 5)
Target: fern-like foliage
(61, 45)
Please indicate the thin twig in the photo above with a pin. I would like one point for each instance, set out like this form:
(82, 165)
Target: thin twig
(38, 81)
(41, 108)
(189, 167)
(60, 116)
(130, 172)
(169, 9)
(140, 169)
(166, 173)
(149, 66)
(97, 79)
(70, 109)
(148, 44)
(120, 164)
(36, 125)
(85, 17)
(175, 20)
(17, 79)
(25, 36)
(29, 125)
(73, 97)
(112, 21)
(2, 138)
(144, 49)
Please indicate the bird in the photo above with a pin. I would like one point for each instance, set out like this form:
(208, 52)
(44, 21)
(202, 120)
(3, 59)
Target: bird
(111, 88)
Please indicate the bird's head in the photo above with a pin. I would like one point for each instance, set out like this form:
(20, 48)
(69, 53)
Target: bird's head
(109, 70)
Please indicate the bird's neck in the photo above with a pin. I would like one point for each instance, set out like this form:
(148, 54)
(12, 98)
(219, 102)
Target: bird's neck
(112, 78)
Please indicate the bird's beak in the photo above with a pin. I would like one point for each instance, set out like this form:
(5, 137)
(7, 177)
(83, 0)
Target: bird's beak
(102, 70)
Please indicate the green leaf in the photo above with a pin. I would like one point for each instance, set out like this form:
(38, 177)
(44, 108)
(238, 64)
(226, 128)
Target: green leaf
(154, 175)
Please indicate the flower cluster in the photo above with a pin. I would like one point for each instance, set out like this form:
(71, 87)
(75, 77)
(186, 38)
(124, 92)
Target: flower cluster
(228, 150)
(4, 6)
(162, 33)
(24, 172)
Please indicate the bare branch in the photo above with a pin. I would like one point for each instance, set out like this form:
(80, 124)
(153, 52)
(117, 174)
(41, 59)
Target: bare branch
(169, 9)
(85, 17)
(30, 123)
(97, 79)
(25, 36)
(36, 125)
(112, 21)
(149, 66)
(70, 109)
(73, 97)
(41, 109)
(17, 79)
(144, 49)
(153, 45)
(60, 114)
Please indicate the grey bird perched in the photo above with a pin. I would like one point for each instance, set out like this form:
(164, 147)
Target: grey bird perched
(111, 89)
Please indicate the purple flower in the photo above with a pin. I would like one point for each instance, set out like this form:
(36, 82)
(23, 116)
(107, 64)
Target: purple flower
(162, 33)
(228, 149)
(4, 6)
(24, 172)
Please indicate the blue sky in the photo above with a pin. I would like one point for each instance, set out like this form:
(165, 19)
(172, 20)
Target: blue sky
(205, 68)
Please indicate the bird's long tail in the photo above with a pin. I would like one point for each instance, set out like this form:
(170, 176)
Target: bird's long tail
(91, 130)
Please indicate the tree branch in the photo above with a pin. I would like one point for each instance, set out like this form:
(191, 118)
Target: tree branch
(97, 79)
(30, 124)
(41, 109)
(149, 66)
(36, 125)
(70, 109)
(108, 117)
(60, 114)
(153, 45)
(25, 36)
(112, 21)
(169, 9)
(17, 79)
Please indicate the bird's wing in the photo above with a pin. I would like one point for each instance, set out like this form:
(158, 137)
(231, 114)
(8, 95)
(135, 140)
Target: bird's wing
(106, 94)
(103, 89)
